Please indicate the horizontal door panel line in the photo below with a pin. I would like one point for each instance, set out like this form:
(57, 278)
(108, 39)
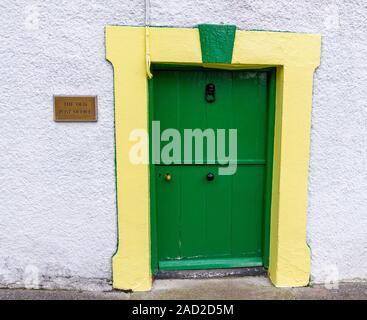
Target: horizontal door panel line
(187, 163)
(197, 264)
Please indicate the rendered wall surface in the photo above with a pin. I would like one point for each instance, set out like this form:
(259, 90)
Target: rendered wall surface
(57, 181)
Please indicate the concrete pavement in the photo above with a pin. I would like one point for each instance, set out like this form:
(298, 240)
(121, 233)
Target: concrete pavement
(225, 288)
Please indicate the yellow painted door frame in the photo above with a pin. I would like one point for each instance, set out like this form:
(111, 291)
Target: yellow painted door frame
(296, 56)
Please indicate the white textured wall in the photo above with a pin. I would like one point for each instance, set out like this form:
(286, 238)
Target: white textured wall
(57, 185)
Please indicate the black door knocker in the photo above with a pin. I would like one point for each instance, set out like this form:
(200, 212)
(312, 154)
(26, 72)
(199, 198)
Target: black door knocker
(210, 176)
(210, 93)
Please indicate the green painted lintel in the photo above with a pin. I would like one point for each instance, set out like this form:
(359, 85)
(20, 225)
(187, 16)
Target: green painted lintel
(217, 42)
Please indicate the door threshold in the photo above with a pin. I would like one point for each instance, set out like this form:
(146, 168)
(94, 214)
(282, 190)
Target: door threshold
(211, 273)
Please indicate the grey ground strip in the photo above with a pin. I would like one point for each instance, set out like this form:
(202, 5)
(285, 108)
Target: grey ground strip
(240, 288)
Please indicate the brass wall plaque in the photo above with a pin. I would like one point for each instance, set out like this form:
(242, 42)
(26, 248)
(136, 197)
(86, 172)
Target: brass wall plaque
(75, 108)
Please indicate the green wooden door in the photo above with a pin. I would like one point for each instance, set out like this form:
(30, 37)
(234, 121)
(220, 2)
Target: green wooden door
(223, 223)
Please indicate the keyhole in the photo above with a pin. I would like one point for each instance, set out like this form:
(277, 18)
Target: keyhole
(210, 93)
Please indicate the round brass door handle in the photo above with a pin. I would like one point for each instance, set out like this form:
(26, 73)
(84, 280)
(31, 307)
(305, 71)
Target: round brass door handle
(168, 177)
(210, 176)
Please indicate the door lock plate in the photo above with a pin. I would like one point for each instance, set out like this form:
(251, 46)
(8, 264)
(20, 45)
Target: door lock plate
(210, 93)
